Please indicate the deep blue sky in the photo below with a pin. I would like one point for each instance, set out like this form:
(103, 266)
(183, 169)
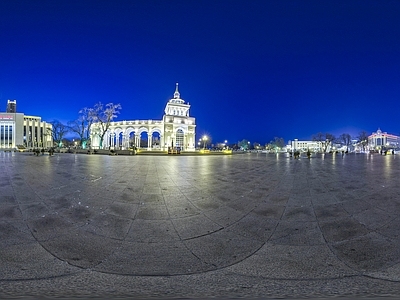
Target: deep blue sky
(250, 69)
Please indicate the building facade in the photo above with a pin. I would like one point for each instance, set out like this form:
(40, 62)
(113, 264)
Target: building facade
(382, 140)
(176, 130)
(304, 146)
(17, 129)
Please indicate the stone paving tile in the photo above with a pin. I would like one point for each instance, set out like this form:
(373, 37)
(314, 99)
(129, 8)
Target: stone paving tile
(81, 248)
(194, 226)
(152, 231)
(222, 248)
(361, 253)
(275, 261)
(50, 226)
(342, 228)
(147, 259)
(12, 233)
(108, 225)
(30, 261)
(297, 233)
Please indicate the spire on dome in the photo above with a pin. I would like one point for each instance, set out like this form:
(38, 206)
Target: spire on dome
(177, 95)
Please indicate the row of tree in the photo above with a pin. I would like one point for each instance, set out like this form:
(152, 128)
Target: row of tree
(100, 114)
(345, 139)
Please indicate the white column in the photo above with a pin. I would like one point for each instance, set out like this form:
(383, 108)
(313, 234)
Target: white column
(14, 134)
(34, 133)
(162, 146)
(149, 141)
(3, 141)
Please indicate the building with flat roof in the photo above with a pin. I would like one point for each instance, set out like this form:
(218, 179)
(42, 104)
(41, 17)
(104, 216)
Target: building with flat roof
(176, 130)
(304, 146)
(17, 129)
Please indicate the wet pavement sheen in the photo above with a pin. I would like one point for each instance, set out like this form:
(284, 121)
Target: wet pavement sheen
(199, 226)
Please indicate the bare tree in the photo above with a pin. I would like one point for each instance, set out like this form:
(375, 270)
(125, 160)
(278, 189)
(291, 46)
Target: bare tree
(102, 116)
(345, 138)
(82, 125)
(325, 139)
(58, 132)
(363, 139)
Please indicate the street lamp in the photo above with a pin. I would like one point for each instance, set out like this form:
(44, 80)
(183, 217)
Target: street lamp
(205, 140)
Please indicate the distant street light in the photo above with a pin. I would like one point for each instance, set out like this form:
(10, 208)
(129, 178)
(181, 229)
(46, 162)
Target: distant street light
(204, 140)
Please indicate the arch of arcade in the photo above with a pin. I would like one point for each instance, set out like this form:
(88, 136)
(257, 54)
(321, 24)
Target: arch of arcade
(176, 130)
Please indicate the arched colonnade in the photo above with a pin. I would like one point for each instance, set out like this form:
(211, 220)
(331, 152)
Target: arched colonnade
(149, 135)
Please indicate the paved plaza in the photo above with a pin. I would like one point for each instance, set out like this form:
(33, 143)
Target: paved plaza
(244, 225)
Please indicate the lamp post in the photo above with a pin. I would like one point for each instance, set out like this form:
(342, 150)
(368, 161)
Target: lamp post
(204, 140)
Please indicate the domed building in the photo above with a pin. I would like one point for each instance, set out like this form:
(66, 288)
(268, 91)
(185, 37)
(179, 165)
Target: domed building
(176, 130)
(380, 140)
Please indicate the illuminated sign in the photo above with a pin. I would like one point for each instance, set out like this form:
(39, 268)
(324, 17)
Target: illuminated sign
(6, 117)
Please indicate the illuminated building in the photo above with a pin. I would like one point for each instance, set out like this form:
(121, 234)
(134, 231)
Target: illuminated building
(176, 129)
(17, 129)
(304, 146)
(381, 140)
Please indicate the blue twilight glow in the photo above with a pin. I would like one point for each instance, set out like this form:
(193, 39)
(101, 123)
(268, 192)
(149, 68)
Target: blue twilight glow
(250, 69)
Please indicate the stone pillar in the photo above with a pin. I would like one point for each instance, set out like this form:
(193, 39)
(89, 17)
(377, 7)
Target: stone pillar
(33, 133)
(149, 141)
(162, 145)
(137, 141)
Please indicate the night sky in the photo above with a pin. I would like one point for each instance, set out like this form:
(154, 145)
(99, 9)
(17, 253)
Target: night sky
(251, 70)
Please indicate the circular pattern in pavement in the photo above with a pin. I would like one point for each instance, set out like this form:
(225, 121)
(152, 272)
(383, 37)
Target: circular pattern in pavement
(170, 215)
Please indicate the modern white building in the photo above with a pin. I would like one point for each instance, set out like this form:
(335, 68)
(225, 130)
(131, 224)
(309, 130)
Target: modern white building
(17, 129)
(176, 130)
(304, 146)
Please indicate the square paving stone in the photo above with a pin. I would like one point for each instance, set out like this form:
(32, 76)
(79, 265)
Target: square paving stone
(222, 248)
(341, 229)
(297, 233)
(108, 225)
(254, 226)
(12, 233)
(298, 213)
(224, 216)
(10, 212)
(371, 252)
(152, 231)
(34, 210)
(183, 210)
(194, 226)
(152, 212)
(330, 212)
(374, 218)
(81, 248)
(49, 226)
(123, 209)
(268, 211)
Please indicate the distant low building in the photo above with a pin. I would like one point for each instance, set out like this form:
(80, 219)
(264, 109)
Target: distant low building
(382, 140)
(303, 146)
(17, 129)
